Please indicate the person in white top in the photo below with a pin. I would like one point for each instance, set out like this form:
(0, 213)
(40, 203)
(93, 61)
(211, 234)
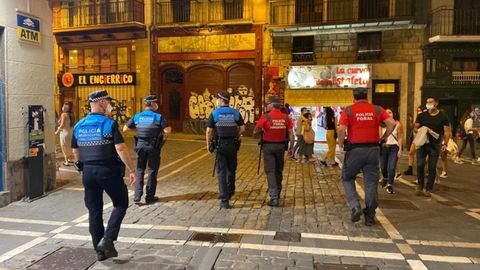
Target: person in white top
(468, 137)
(390, 152)
(65, 129)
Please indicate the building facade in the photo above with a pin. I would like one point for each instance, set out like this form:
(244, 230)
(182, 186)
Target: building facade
(200, 48)
(452, 57)
(102, 44)
(26, 80)
(383, 39)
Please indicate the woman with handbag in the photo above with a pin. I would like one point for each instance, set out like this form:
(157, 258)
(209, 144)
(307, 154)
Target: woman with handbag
(466, 133)
(330, 124)
(390, 152)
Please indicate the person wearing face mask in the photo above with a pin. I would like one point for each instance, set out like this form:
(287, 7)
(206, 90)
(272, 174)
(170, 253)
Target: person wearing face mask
(391, 151)
(435, 121)
(99, 149)
(224, 127)
(152, 129)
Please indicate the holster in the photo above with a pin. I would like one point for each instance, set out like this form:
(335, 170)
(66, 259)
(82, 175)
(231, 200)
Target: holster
(347, 146)
(157, 142)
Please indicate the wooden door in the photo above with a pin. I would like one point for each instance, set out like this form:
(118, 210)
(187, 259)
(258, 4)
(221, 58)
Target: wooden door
(172, 96)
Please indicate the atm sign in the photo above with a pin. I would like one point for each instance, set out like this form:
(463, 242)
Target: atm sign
(28, 29)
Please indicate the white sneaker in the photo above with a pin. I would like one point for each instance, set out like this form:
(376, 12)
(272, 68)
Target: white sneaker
(458, 161)
(443, 174)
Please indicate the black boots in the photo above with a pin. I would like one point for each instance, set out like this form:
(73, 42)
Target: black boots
(106, 249)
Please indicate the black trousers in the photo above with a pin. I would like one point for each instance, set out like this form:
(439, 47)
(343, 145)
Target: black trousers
(226, 157)
(273, 156)
(470, 140)
(97, 179)
(147, 156)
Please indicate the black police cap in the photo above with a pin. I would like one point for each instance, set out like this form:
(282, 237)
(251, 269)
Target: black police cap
(98, 95)
(224, 95)
(151, 98)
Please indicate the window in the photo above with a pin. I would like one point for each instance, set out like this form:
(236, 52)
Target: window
(308, 11)
(303, 49)
(89, 59)
(122, 58)
(466, 64)
(369, 46)
(373, 9)
(181, 10)
(385, 88)
(233, 9)
(105, 59)
(73, 59)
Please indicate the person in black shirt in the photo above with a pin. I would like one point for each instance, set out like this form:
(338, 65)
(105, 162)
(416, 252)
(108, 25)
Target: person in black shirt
(436, 121)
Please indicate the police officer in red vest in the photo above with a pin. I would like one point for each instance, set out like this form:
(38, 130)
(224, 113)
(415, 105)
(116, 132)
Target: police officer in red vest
(362, 149)
(277, 131)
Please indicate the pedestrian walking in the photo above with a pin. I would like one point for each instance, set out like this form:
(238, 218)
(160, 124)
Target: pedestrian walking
(362, 120)
(438, 134)
(151, 132)
(330, 124)
(65, 129)
(99, 149)
(391, 151)
(412, 148)
(467, 135)
(298, 132)
(277, 129)
(305, 151)
(224, 127)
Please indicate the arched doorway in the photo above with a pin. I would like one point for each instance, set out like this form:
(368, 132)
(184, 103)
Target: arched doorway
(172, 95)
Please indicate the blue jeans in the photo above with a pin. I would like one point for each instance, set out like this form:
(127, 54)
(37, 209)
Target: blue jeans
(388, 162)
(432, 150)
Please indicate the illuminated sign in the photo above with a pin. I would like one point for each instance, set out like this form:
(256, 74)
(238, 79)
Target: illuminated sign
(333, 76)
(84, 79)
(28, 29)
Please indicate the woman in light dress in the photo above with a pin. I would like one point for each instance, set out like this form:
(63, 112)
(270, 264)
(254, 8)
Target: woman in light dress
(65, 129)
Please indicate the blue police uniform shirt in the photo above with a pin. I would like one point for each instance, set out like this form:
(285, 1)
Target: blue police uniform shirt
(95, 137)
(225, 121)
(148, 123)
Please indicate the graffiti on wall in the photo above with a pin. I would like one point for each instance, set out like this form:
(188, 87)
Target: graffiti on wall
(200, 106)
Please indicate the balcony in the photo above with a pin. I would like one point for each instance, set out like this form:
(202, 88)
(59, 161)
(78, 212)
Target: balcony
(318, 12)
(91, 14)
(448, 21)
(466, 77)
(196, 13)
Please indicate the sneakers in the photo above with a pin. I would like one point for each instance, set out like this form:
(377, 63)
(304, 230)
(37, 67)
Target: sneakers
(369, 221)
(397, 175)
(106, 249)
(419, 191)
(427, 193)
(389, 189)
(225, 205)
(152, 200)
(383, 182)
(458, 160)
(443, 174)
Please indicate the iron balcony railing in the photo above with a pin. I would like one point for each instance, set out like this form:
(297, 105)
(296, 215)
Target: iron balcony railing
(80, 13)
(466, 77)
(201, 12)
(291, 12)
(454, 21)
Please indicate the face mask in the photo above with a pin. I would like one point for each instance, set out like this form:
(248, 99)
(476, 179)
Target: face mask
(108, 109)
(430, 107)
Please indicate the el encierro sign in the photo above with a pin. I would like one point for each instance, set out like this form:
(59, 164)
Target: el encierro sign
(89, 79)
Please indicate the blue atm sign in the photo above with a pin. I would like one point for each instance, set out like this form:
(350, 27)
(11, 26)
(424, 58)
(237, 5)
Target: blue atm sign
(28, 29)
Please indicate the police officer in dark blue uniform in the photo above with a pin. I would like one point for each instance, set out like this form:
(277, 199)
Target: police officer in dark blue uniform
(152, 129)
(224, 127)
(99, 149)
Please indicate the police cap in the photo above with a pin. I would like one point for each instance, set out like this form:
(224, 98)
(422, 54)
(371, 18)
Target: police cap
(224, 95)
(273, 100)
(98, 95)
(149, 99)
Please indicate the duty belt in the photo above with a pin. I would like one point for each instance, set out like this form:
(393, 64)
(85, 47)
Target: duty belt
(360, 145)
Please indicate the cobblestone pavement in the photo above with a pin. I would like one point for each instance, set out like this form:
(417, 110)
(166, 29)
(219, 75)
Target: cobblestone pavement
(442, 232)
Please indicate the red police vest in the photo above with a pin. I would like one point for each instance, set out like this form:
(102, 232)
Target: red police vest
(363, 123)
(275, 127)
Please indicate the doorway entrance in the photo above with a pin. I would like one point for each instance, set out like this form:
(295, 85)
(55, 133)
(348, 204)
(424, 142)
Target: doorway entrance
(385, 93)
(450, 108)
(172, 92)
